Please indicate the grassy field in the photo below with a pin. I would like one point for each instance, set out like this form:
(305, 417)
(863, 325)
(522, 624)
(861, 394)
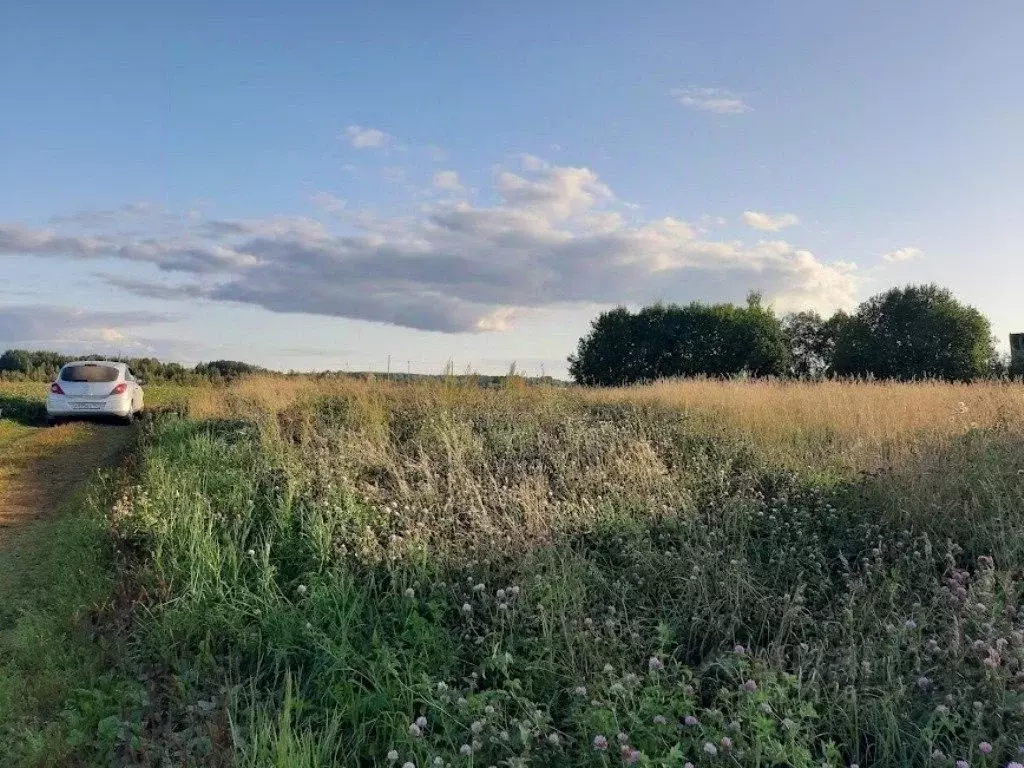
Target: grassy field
(741, 573)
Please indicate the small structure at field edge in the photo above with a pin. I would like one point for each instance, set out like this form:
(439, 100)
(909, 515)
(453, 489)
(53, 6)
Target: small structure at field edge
(1017, 351)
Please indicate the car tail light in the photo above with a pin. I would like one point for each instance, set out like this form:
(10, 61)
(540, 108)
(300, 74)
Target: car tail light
(119, 389)
(55, 389)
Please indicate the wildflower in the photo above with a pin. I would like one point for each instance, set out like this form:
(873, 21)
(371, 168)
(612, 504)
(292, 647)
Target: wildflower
(421, 721)
(415, 731)
(788, 724)
(766, 708)
(553, 739)
(589, 622)
(410, 592)
(616, 689)
(623, 737)
(476, 745)
(503, 607)
(600, 743)
(504, 736)
(580, 690)
(514, 590)
(933, 645)
(409, 764)
(1014, 764)
(461, 702)
(467, 608)
(655, 664)
(608, 669)
(630, 756)
(252, 553)
(749, 686)
(910, 624)
(442, 686)
(478, 587)
(985, 748)
(688, 765)
(691, 720)
(438, 761)
(392, 755)
(301, 589)
(726, 742)
(500, 594)
(477, 726)
(962, 764)
(937, 755)
(466, 750)
(923, 683)
(941, 709)
(710, 748)
(660, 720)
(738, 649)
(734, 726)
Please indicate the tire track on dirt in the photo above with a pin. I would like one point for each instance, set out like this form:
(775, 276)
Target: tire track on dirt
(49, 465)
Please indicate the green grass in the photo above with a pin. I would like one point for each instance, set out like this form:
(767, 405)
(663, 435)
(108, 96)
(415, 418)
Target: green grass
(63, 694)
(531, 572)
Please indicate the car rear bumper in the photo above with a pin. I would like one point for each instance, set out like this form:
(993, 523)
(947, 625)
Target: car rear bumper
(58, 406)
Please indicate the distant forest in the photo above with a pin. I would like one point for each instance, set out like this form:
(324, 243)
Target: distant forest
(37, 365)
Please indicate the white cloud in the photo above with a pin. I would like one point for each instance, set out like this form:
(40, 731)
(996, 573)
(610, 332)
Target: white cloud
(73, 329)
(556, 238)
(768, 223)
(531, 162)
(903, 254)
(447, 181)
(328, 202)
(717, 100)
(367, 138)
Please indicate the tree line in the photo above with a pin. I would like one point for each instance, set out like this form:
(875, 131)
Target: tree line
(37, 365)
(917, 332)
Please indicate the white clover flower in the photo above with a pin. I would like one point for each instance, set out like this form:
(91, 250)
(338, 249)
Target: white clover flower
(392, 755)
(467, 608)
(421, 721)
(466, 750)
(710, 748)
(410, 592)
(415, 731)
(301, 589)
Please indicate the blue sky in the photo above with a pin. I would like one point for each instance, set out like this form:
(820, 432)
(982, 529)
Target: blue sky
(320, 185)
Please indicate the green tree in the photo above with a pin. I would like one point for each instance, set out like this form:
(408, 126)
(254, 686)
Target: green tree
(913, 333)
(669, 340)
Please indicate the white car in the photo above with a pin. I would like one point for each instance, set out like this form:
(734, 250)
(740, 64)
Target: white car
(94, 388)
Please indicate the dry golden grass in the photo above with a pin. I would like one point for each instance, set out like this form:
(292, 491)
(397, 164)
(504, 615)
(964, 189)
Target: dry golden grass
(863, 424)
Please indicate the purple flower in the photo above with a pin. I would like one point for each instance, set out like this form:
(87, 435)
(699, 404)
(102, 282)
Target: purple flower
(738, 649)
(726, 742)
(690, 720)
(1014, 764)
(962, 764)
(923, 683)
(600, 743)
(630, 756)
(985, 748)
(654, 664)
(749, 686)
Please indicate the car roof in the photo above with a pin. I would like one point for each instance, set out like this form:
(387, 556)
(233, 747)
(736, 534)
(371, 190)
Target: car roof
(110, 363)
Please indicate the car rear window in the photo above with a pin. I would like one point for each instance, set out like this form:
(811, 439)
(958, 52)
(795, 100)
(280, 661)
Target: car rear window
(88, 373)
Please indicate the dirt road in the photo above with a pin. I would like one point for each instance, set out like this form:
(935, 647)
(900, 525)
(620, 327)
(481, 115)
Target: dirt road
(40, 468)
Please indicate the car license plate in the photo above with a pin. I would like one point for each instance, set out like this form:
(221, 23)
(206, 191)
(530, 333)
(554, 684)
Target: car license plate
(85, 405)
